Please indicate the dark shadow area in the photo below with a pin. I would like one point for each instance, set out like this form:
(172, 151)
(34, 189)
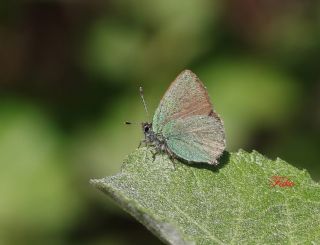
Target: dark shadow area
(222, 161)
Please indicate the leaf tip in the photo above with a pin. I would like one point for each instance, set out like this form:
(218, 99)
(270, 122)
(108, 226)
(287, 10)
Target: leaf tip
(97, 183)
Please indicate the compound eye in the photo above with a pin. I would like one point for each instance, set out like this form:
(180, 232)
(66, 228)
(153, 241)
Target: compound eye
(146, 128)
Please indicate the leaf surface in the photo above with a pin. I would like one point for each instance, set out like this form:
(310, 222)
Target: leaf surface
(232, 204)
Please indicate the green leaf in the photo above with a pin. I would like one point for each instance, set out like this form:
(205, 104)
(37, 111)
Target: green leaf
(233, 203)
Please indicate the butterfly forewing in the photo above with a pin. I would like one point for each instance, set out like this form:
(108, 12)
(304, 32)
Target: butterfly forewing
(185, 97)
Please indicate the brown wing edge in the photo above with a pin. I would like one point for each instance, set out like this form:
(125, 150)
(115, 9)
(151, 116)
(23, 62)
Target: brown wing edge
(197, 79)
(212, 113)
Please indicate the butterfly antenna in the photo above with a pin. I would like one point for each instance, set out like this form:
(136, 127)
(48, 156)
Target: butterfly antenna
(143, 101)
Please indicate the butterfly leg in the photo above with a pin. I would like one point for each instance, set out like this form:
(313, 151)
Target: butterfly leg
(171, 156)
(149, 149)
(174, 164)
(142, 142)
(154, 153)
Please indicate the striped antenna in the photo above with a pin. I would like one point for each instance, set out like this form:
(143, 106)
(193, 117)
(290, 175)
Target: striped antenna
(143, 101)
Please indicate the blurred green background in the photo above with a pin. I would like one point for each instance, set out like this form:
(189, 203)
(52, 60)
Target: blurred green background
(70, 74)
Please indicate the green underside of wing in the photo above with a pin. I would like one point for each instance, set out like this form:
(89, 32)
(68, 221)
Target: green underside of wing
(196, 138)
(188, 151)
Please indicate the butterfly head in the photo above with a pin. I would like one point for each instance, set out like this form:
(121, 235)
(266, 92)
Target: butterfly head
(151, 137)
(146, 127)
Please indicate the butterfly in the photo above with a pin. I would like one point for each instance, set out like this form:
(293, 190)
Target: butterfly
(184, 125)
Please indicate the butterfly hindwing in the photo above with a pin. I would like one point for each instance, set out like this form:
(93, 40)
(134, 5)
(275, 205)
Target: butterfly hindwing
(196, 138)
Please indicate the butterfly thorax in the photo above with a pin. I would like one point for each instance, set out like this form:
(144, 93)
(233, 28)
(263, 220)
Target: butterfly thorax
(152, 138)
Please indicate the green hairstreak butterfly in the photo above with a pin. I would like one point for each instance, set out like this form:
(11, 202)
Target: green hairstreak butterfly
(185, 126)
